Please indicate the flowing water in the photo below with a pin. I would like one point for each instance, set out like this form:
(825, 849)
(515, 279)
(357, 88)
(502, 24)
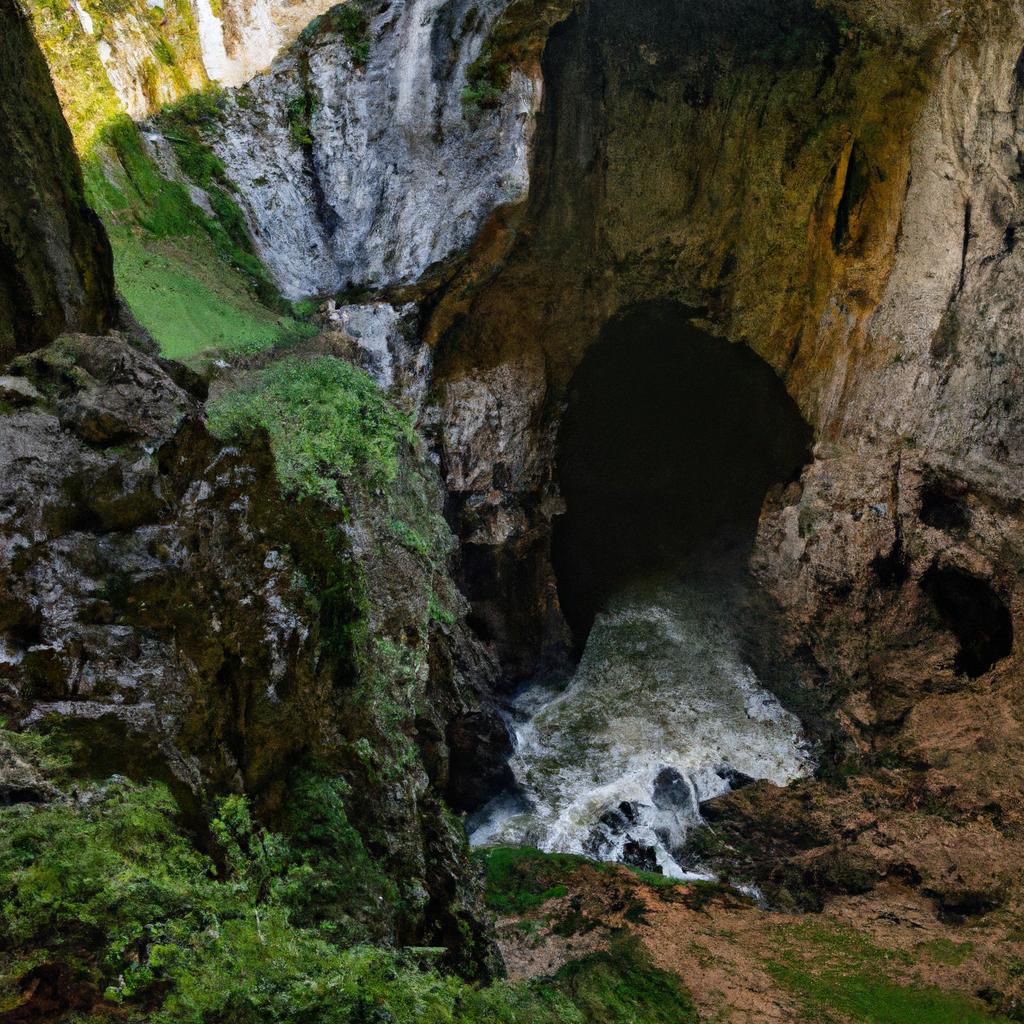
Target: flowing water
(662, 713)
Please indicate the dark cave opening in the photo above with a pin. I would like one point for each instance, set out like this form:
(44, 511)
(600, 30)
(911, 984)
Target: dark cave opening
(975, 614)
(670, 440)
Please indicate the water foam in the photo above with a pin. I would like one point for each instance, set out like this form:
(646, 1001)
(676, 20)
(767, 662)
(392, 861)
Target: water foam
(662, 713)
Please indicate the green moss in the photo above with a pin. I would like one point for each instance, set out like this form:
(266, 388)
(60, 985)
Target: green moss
(347, 20)
(838, 975)
(520, 879)
(326, 420)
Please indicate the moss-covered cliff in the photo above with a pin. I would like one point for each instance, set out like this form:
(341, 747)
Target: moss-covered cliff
(55, 262)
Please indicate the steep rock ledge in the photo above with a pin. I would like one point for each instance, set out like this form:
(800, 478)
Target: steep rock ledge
(164, 603)
(55, 262)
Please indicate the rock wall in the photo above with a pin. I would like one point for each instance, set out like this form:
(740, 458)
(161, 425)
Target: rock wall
(358, 162)
(55, 265)
(164, 602)
(836, 186)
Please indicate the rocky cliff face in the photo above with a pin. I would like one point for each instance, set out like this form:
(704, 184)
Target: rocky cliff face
(55, 263)
(165, 603)
(836, 187)
(360, 162)
(135, 57)
(175, 605)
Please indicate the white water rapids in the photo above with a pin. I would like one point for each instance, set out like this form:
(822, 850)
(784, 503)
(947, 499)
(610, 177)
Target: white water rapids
(661, 714)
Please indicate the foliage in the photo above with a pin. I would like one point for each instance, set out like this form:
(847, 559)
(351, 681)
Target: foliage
(520, 878)
(621, 985)
(192, 280)
(486, 82)
(326, 420)
(267, 929)
(347, 20)
(90, 104)
(838, 975)
(300, 110)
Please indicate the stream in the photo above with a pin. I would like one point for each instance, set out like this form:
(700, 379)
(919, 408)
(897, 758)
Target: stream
(661, 714)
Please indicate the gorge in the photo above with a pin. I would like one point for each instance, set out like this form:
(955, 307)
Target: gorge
(583, 426)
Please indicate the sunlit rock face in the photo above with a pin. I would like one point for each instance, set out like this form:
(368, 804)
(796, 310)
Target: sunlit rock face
(242, 37)
(356, 175)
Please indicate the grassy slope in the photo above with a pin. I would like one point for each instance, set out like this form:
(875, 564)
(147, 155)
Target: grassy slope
(836, 974)
(191, 278)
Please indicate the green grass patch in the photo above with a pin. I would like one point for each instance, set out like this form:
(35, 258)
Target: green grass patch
(945, 951)
(838, 975)
(185, 315)
(622, 986)
(326, 420)
(191, 279)
(520, 878)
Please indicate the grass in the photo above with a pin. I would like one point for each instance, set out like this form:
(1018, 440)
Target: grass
(184, 315)
(326, 420)
(259, 926)
(209, 291)
(191, 279)
(520, 878)
(838, 975)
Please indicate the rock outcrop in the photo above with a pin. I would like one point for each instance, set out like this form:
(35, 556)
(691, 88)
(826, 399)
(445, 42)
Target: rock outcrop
(359, 160)
(56, 270)
(165, 604)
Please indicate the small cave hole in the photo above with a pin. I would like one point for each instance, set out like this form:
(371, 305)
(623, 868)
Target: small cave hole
(943, 508)
(670, 440)
(974, 613)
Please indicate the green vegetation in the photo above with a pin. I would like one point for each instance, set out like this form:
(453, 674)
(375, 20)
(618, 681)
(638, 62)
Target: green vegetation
(486, 81)
(944, 951)
(622, 986)
(267, 926)
(191, 279)
(838, 975)
(520, 879)
(347, 20)
(208, 290)
(90, 104)
(326, 419)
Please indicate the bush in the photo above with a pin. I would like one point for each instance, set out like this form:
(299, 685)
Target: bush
(326, 420)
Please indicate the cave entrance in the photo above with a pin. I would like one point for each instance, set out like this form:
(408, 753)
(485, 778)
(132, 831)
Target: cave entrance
(669, 442)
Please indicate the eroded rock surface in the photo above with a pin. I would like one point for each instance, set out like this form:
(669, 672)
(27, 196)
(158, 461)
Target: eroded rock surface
(163, 602)
(56, 270)
(365, 170)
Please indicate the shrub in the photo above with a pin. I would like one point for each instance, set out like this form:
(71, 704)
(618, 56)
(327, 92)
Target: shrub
(326, 420)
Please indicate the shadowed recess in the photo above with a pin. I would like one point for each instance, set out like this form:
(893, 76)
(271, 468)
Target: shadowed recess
(669, 443)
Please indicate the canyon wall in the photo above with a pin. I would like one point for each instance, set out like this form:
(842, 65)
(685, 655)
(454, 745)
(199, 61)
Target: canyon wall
(55, 262)
(836, 186)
